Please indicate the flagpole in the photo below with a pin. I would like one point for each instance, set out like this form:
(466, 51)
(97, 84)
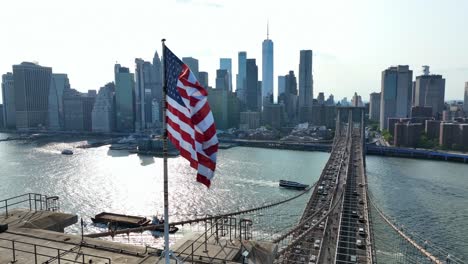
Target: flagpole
(166, 188)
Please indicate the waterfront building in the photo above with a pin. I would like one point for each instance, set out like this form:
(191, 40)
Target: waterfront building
(103, 113)
(267, 70)
(396, 94)
(429, 91)
(449, 135)
(192, 63)
(31, 85)
(421, 111)
(374, 107)
(306, 82)
(226, 64)
(156, 89)
(319, 115)
(124, 103)
(156, 108)
(252, 86)
(78, 109)
(59, 84)
(249, 120)
(407, 134)
(203, 79)
(8, 95)
(281, 86)
(392, 121)
(241, 75)
(289, 97)
(273, 115)
(432, 129)
(1, 117)
(145, 83)
(465, 102)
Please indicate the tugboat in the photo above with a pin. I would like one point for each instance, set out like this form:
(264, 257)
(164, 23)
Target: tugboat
(67, 152)
(157, 232)
(292, 185)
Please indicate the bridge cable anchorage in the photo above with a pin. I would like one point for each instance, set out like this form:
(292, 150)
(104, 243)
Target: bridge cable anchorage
(408, 238)
(197, 220)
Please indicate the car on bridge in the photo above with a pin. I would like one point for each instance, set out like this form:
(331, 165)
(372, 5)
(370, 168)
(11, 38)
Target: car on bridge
(317, 244)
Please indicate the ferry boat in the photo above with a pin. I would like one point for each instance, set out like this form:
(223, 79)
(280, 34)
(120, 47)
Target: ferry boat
(67, 152)
(292, 185)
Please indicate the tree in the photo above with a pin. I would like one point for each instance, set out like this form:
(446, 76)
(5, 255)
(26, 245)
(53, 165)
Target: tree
(387, 136)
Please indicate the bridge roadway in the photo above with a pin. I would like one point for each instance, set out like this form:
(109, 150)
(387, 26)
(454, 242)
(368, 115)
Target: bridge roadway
(334, 225)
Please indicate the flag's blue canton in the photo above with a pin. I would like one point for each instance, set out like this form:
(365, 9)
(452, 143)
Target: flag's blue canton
(173, 69)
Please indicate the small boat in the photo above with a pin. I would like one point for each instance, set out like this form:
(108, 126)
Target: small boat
(129, 221)
(292, 185)
(159, 230)
(67, 152)
(120, 220)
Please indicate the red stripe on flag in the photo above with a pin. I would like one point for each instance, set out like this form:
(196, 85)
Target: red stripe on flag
(201, 114)
(183, 118)
(197, 86)
(185, 136)
(183, 152)
(205, 161)
(193, 101)
(212, 149)
(204, 180)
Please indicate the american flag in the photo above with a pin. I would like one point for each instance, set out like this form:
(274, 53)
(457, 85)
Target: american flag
(190, 123)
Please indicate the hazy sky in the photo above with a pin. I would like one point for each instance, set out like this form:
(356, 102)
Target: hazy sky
(353, 41)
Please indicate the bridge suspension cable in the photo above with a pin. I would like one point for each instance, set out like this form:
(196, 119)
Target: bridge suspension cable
(430, 251)
(197, 220)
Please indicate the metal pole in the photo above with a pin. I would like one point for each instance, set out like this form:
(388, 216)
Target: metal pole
(166, 191)
(14, 252)
(82, 233)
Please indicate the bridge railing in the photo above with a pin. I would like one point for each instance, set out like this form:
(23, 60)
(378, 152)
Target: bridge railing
(33, 201)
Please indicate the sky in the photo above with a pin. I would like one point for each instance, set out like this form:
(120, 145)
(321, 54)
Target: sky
(352, 41)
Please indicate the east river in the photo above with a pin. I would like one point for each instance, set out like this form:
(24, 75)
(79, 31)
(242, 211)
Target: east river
(430, 197)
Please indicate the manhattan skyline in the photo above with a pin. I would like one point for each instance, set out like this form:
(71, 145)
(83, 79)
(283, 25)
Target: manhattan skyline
(355, 40)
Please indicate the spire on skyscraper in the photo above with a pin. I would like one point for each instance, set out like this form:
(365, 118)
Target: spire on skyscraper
(268, 29)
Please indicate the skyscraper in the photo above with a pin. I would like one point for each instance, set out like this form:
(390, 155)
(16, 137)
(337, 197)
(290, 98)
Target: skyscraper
(226, 64)
(192, 63)
(124, 103)
(321, 98)
(374, 107)
(281, 86)
(156, 91)
(396, 94)
(289, 97)
(465, 102)
(241, 74)
(102, 115)
(203, 79)
(145, 80)
(77, 108)
(251, 85)
(59, 84)
(8, 95)
(267, 69)
(222, 79)
(430, 92)
(306, 82)
(31, 85)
